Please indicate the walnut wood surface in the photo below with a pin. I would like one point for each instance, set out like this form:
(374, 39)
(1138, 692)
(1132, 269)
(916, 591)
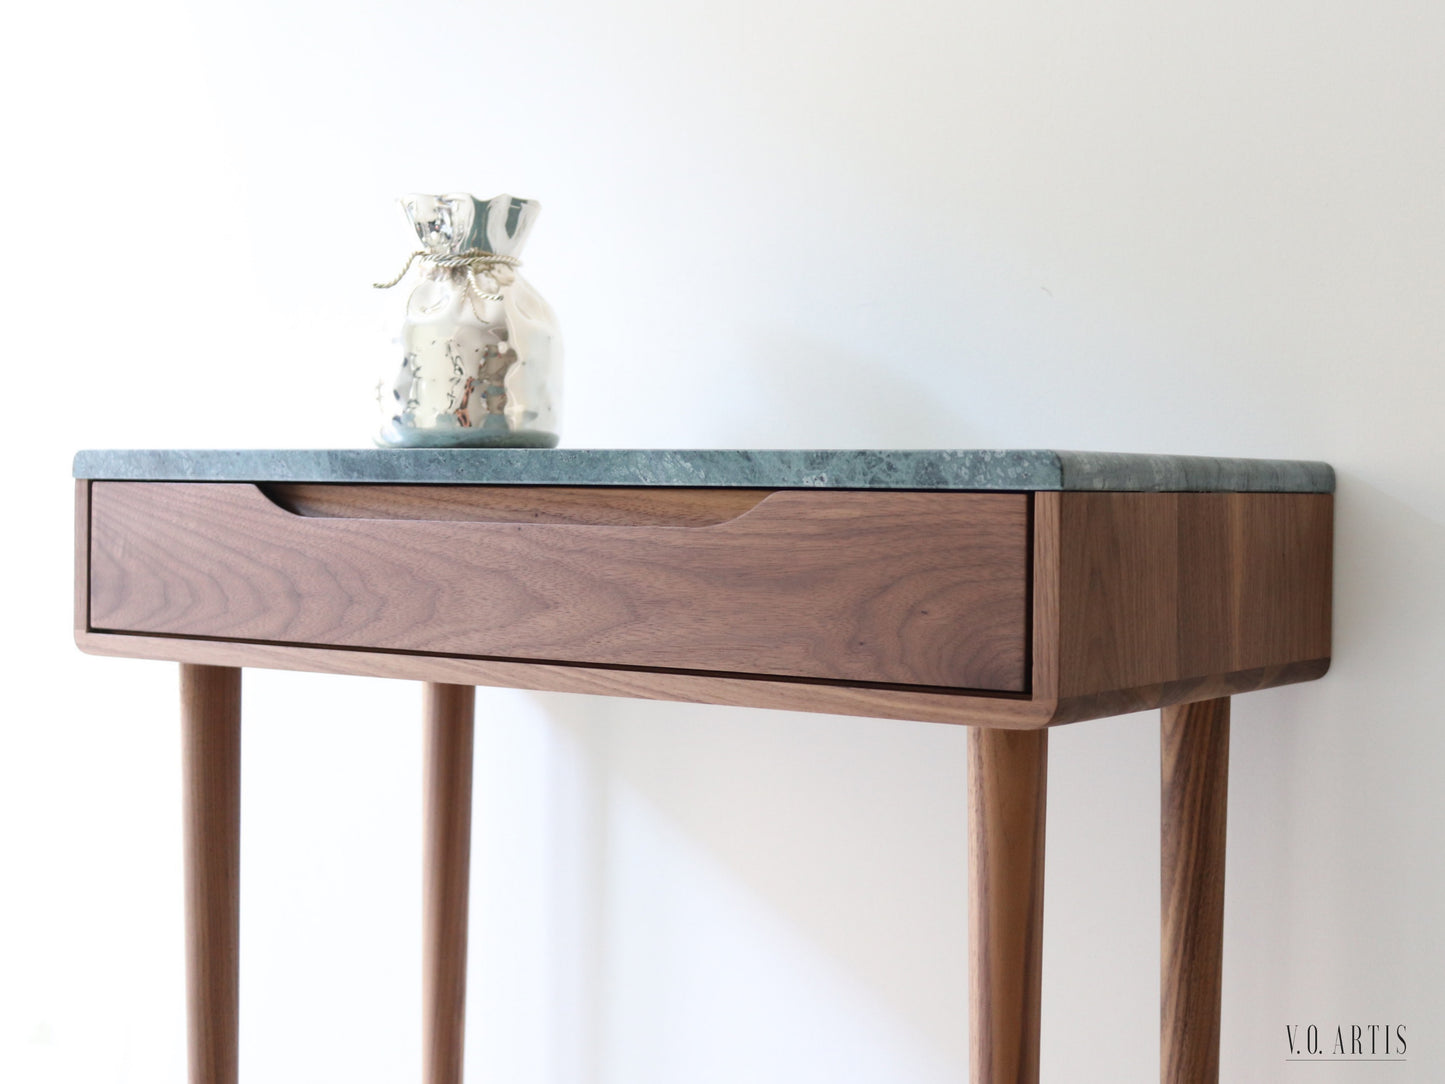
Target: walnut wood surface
(621, 506)
(1250, 582)
(1007, 782)
(737, 690)
(211, 764)
(1161, 590)
(1195, 775)
(82, 555)
(1044, 588)
(1183, 691)
(897, 587)
(447, 845)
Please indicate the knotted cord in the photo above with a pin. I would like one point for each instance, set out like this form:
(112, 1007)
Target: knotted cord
(473, 259)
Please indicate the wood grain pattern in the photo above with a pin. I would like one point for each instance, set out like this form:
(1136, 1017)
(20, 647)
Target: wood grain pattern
(1007, 784)
(1183, 691)
(897, 587)
(447, 847)
(1044, 588)
(211, 763)
(621, 506)
(1194, 765)
(1157, 590)
(1119, 598)
(736, 690)
(82, 554)
(1247, 593)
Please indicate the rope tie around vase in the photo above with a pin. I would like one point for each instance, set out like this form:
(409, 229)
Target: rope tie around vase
(495, 267)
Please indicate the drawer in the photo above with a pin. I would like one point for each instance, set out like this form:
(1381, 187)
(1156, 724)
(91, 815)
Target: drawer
(911, 588)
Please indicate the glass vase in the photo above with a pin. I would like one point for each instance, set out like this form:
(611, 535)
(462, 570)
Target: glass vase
(481, 354)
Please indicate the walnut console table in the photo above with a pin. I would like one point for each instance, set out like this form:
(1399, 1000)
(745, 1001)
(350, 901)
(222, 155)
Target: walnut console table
(1005, 591)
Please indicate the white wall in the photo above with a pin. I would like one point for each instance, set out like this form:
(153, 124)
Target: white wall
(1124, 225)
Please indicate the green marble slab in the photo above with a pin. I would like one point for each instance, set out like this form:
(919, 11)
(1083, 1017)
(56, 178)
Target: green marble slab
(933, 470)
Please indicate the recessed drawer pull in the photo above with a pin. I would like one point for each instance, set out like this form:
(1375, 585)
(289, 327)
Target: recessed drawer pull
(590, 505)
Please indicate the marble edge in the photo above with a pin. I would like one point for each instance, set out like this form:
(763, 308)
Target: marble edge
(965, 469)
(1100, 471)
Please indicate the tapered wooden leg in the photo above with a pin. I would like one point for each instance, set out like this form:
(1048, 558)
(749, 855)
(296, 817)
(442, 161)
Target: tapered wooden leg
(211, 766)
(1007, 779)
(449, 712)
(1195, 768)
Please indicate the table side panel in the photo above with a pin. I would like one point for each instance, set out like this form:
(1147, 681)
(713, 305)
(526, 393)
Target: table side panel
(1044, 589)
(82, 555)
(1161, 591)
(896, 587)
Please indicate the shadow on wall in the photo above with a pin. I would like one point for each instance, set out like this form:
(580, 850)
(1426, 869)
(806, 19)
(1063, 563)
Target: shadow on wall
(851, 832)
(1335, 797)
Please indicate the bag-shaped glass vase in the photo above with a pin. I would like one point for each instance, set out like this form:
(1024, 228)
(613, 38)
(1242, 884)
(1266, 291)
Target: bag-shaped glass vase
(481, 355)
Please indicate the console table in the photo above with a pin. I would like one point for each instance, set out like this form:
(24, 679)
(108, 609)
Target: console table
(1008, 591)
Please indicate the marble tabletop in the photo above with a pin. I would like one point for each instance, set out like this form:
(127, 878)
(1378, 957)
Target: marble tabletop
(839, 469)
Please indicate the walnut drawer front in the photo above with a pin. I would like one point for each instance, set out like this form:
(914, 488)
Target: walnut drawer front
(891, 587)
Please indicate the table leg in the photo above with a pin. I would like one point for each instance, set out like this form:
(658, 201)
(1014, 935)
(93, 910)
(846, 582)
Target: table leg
(211, 766)
(1007, 778)
(448, 827)
(1195, 770)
